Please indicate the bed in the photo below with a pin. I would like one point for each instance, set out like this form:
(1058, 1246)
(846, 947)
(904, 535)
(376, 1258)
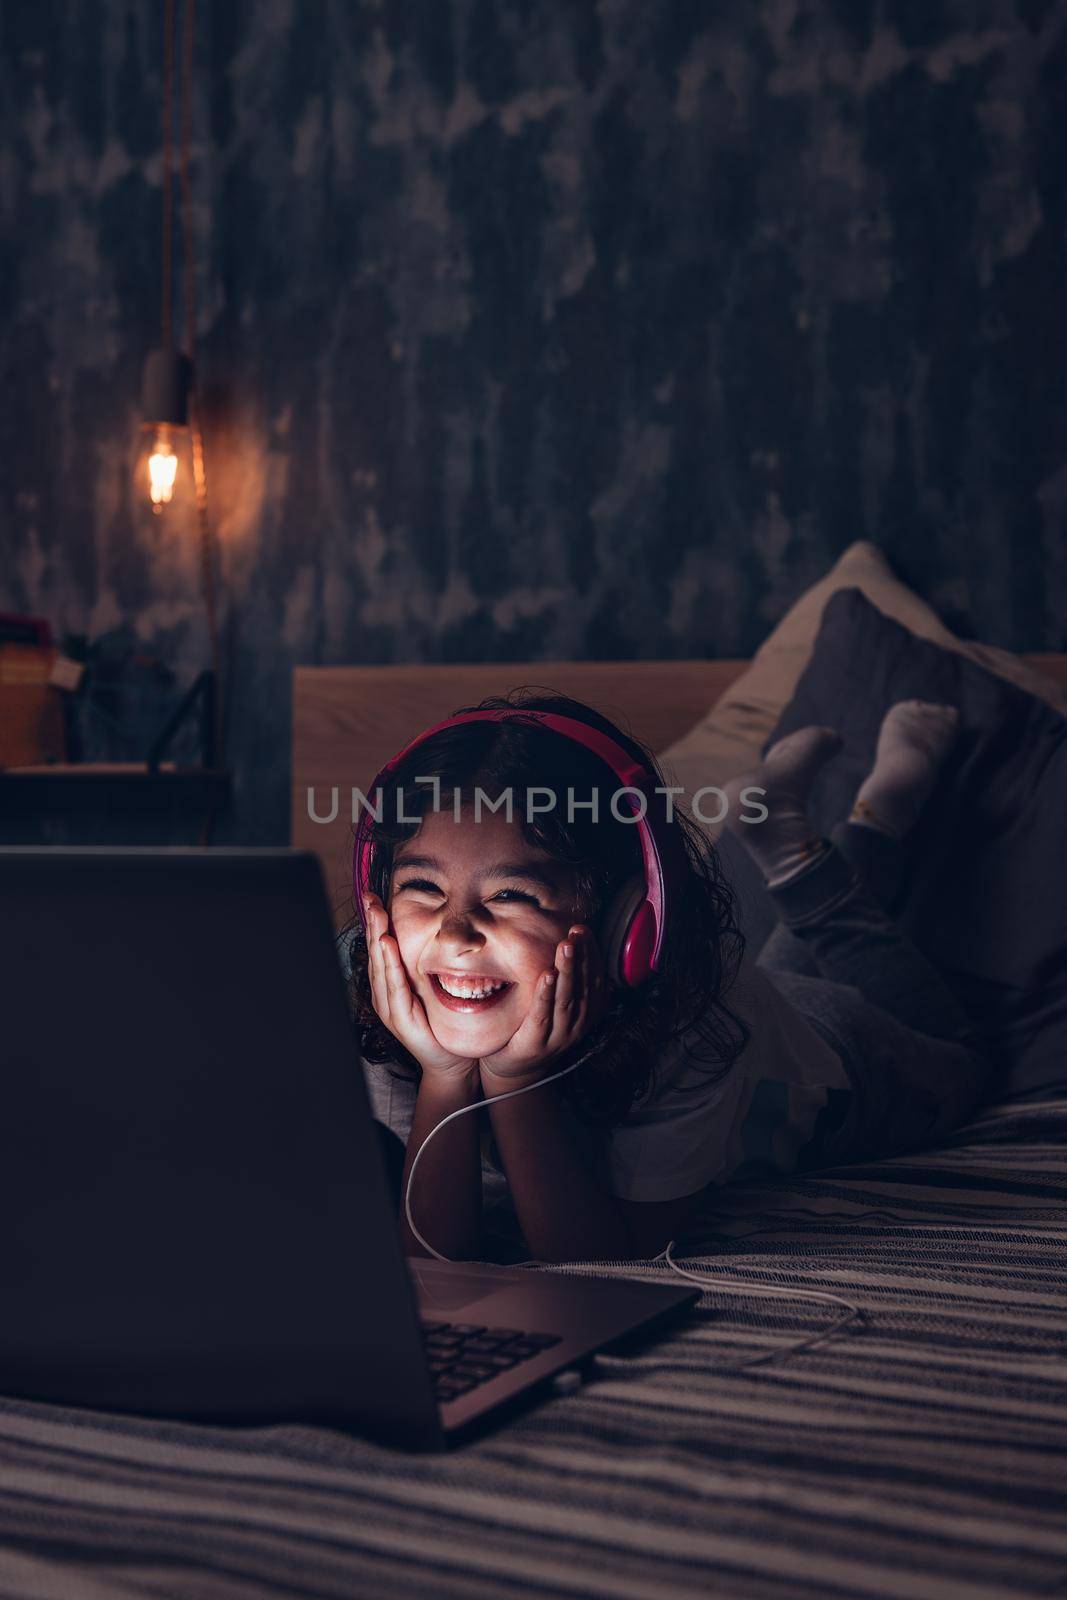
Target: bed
(918, 1453)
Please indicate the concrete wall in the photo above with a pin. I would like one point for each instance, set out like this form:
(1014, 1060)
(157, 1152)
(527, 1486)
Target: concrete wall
(539, 328)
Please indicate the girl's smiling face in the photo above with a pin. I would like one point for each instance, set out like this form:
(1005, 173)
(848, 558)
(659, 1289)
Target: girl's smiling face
(477, 909)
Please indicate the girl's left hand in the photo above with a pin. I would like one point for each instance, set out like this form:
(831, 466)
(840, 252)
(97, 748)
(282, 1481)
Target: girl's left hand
(567, 1004)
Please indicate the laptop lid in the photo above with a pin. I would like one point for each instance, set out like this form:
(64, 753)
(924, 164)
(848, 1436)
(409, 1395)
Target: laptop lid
(199, 1219)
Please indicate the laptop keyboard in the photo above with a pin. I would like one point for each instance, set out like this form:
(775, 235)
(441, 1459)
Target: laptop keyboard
(462, 1355)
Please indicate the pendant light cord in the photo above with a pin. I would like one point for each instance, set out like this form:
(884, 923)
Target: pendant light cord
(167, 274)
(208, 582)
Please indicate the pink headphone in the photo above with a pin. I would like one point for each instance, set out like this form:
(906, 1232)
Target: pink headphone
(631, 929)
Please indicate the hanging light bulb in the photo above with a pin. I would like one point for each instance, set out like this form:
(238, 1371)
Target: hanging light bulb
(162, 469)
(167, 375)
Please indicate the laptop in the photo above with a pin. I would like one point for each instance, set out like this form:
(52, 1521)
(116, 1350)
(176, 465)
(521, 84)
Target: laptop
(199, 1223)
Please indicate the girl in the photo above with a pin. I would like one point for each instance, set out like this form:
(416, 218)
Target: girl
(480, 972)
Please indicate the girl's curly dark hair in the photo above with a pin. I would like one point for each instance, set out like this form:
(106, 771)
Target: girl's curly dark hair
(703, 944)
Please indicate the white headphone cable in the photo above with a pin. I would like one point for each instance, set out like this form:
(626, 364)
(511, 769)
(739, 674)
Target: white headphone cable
(739, 1286)
(452, 1115)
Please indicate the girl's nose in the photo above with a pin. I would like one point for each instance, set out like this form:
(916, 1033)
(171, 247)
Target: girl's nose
(458, 935)
(457, 923)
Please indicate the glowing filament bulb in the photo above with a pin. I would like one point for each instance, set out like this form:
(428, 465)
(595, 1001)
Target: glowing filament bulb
(162, 467)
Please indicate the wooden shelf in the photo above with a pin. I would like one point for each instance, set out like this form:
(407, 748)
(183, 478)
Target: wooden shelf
(109, 802)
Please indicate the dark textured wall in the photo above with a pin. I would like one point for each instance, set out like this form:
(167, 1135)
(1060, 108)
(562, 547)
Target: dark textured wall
(540, 328)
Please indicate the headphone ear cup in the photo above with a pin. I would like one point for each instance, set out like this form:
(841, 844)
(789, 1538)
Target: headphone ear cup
(614, 923)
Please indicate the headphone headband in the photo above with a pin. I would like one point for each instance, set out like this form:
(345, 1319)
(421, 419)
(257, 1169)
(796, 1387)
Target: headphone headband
(642, 943)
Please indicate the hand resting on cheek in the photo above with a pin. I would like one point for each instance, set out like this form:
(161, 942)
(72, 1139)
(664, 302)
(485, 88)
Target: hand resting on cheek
(567, 1004)
(400, 1009)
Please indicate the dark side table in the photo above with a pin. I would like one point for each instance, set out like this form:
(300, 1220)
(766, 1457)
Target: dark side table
(111, 803)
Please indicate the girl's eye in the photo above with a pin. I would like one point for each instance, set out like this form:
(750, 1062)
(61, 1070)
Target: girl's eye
(517, 894)
(419, 883)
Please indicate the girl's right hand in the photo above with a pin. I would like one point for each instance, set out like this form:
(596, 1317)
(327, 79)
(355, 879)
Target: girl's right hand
(401, 1010)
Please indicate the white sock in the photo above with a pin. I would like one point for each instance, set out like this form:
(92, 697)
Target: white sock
(913, 741)
(785, 841)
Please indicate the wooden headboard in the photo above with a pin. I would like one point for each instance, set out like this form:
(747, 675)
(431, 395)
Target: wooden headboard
(348, 722)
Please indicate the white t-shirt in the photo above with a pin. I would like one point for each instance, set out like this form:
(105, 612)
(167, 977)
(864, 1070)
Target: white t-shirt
(751, 1123)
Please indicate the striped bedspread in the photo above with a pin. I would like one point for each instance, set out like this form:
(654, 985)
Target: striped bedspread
(920, 1452)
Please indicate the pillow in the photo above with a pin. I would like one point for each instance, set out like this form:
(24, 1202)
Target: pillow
(984, 895)
(730, 737)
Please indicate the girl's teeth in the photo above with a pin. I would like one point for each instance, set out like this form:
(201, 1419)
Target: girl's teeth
(468, 994)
